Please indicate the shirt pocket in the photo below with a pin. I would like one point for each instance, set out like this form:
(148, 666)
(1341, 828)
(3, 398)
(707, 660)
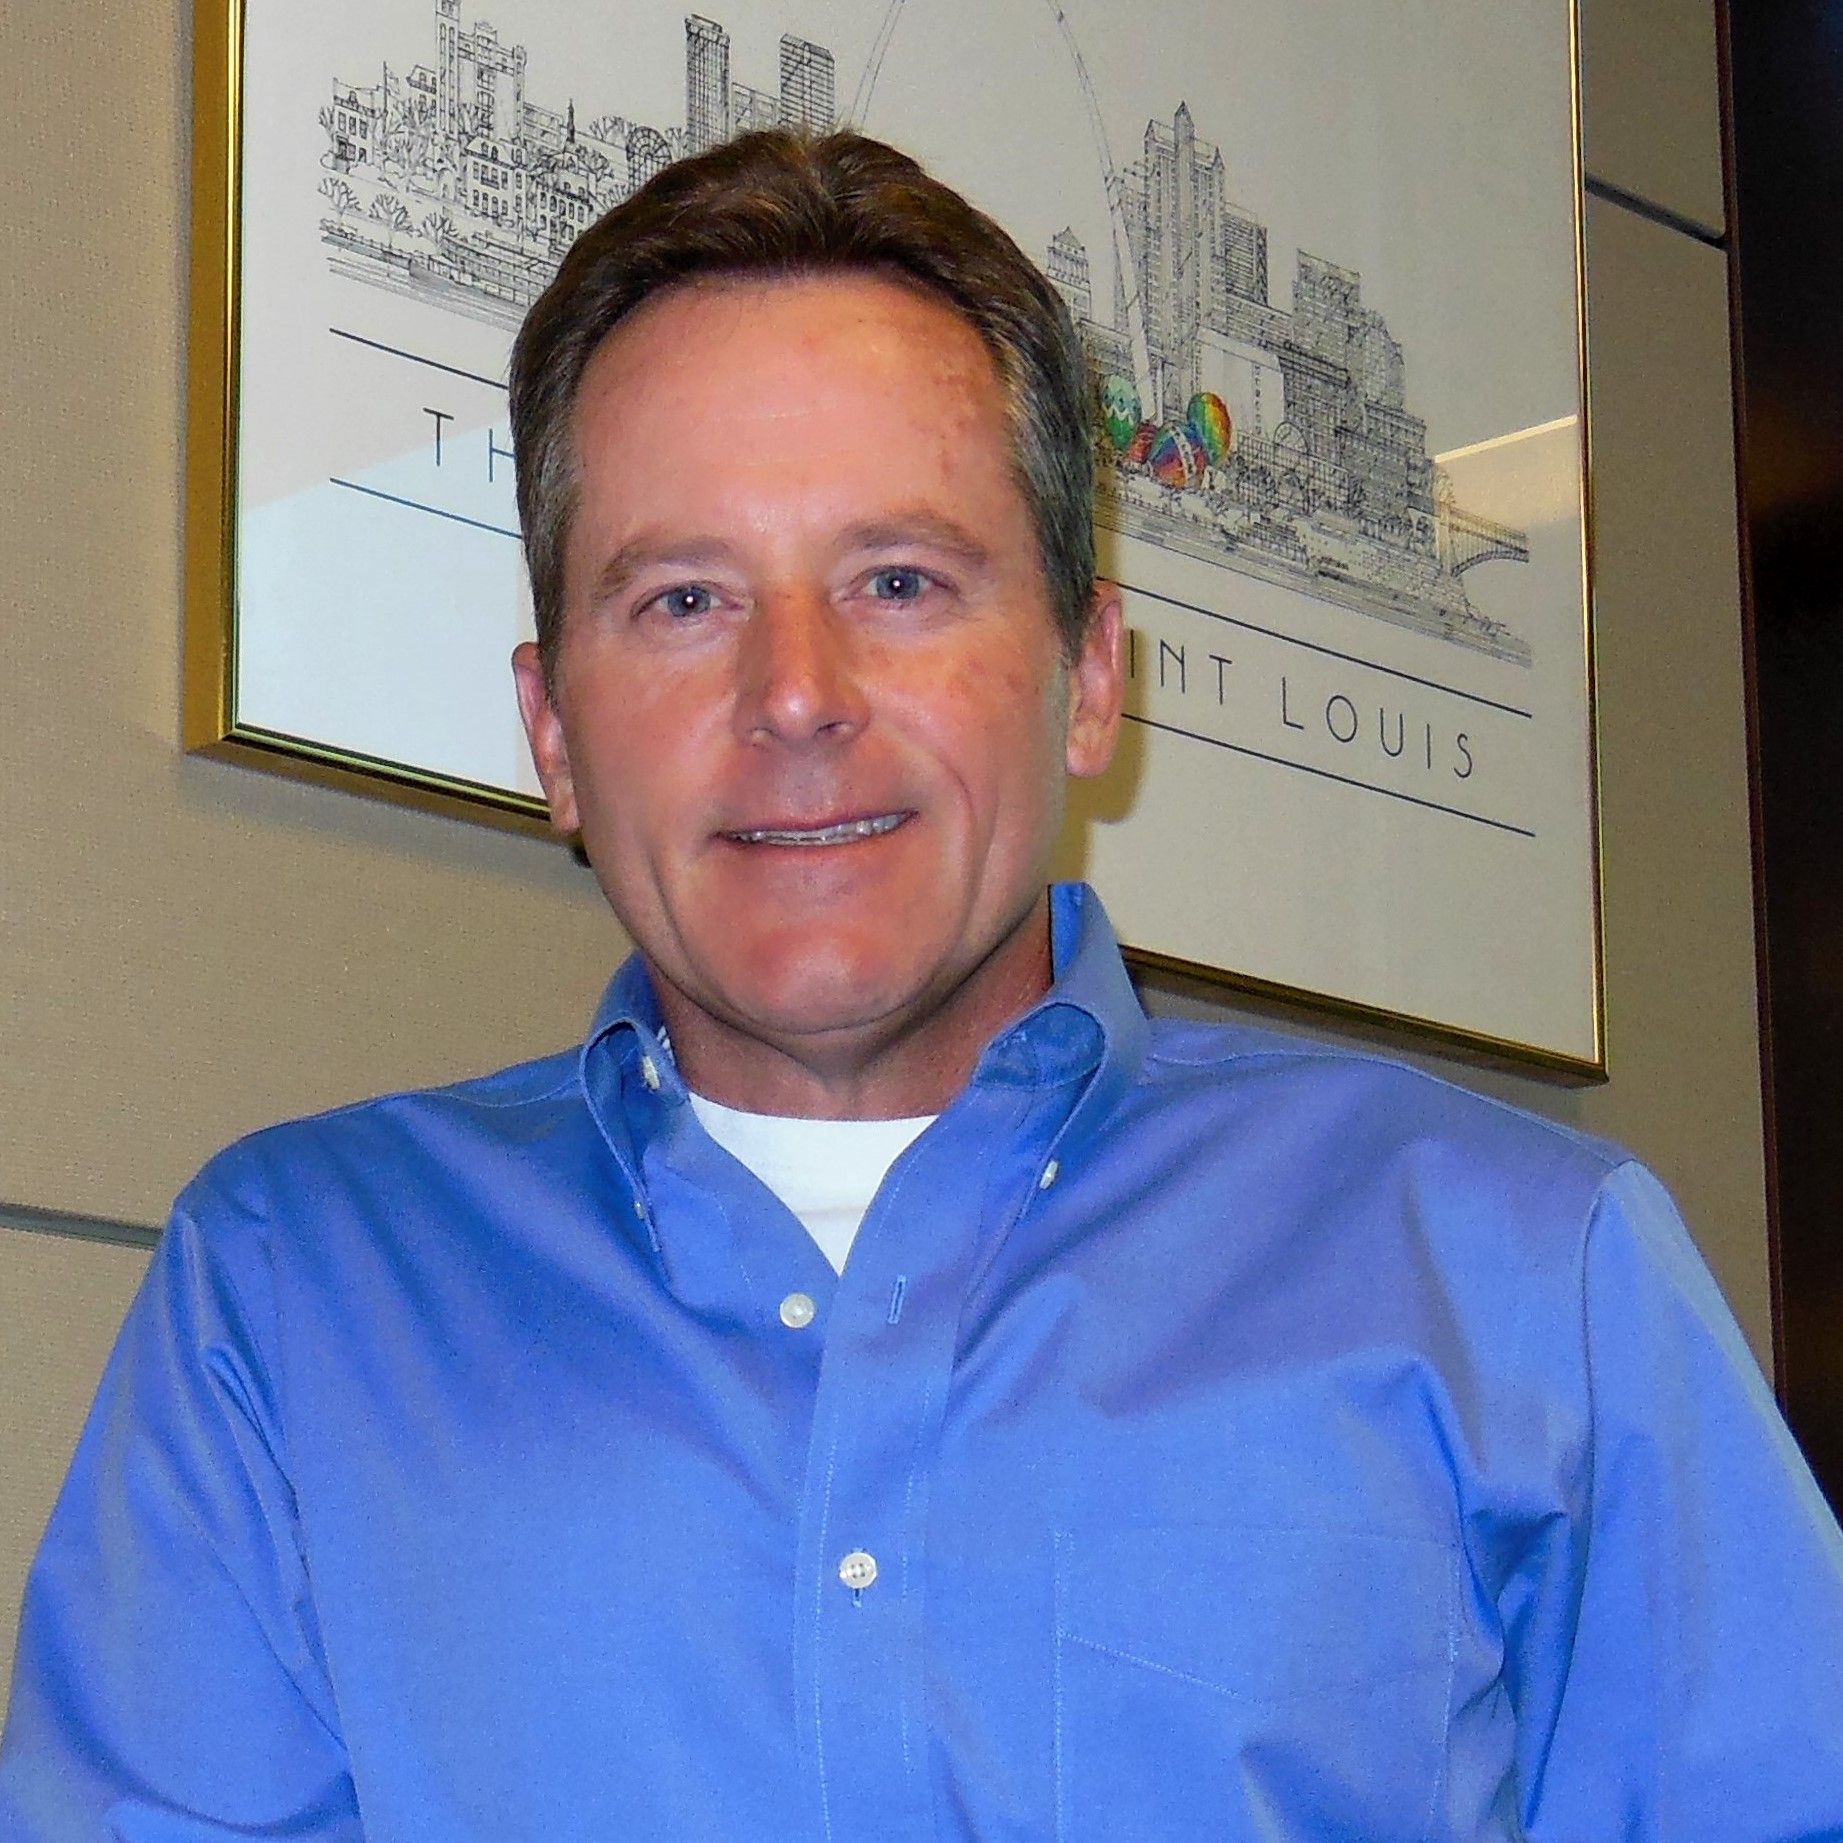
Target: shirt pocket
(1241, 1681)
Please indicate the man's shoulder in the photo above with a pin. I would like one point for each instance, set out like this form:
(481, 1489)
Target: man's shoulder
(487, 1099)
(397, 1138)
(1367, 1106)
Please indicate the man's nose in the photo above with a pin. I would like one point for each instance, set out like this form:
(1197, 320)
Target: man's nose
(800, 671)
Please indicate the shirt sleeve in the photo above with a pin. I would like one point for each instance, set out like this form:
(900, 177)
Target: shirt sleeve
(1677, 1661)
(169, 1685)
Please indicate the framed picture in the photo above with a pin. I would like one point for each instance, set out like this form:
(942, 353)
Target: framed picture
(1326, 263)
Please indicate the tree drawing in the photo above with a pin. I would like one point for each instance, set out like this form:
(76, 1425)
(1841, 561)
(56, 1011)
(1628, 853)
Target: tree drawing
(390, 212)
(343, 198)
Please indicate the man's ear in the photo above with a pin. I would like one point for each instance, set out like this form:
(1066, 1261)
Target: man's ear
(544, 732)
(1097, 686)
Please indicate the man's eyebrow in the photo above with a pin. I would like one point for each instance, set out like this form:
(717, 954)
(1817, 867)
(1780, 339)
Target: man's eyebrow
(650, 550)
(918, 527)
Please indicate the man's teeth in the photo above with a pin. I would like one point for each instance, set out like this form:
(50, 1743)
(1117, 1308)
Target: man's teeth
(842, 834)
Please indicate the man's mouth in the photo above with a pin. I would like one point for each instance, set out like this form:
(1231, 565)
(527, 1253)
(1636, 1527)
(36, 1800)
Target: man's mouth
(843, 832)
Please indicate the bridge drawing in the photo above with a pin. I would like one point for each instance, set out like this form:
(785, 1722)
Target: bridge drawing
(1468, 539)
(1275, 441)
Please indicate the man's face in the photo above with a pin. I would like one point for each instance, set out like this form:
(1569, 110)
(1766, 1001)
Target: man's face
(810, 711)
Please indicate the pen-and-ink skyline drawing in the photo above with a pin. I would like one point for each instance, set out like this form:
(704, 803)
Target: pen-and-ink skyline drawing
(1275, 441)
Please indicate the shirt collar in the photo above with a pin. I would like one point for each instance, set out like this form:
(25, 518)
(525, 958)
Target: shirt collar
(1090, 1016)
(1088, 1027)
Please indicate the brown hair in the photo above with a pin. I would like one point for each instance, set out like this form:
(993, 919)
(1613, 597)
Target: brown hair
(778, 203)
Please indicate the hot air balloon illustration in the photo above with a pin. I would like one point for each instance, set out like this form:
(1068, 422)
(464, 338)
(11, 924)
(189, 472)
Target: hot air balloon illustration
(1119, 411)
(1210, 426)
(1177, 458)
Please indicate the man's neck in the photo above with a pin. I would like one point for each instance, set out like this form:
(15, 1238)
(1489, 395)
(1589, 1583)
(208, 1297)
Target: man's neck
(900, 1069)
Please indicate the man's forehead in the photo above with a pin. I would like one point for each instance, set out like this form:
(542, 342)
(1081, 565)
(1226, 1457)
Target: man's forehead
(822, 375)
(815, 315)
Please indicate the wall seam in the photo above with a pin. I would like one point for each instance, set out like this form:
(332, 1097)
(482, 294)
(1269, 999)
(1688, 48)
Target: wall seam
(31, 1221)
(1654, 213)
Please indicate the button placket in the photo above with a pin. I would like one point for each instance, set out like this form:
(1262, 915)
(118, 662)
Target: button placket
(884, 1383)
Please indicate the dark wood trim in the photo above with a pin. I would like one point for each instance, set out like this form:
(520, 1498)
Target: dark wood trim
(1782, 88)
(1751, 689)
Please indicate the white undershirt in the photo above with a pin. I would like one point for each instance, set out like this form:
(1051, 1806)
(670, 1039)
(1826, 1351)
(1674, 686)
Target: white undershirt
(825, 1171)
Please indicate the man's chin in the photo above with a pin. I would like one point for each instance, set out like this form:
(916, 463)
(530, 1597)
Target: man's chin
(830, 1012)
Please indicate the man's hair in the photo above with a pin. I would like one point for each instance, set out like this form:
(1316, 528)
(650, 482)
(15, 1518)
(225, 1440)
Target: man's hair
(783, 204)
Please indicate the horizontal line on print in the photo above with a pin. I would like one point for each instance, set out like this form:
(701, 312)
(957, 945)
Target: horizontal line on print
(1330, 652)
(416, 358)
(417, 505)
(1326, 774)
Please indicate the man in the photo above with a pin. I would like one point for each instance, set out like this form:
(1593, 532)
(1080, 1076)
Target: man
(1206, 1435)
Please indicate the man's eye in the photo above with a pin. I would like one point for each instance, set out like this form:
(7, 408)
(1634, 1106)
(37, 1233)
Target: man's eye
(688, 599)
(898, 585)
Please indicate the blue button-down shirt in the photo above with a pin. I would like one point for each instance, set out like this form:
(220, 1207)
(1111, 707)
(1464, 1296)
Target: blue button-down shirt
(1250, 1441)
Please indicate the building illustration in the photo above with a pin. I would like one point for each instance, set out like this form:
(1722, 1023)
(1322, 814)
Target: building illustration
(450, 183)
(1276, 441)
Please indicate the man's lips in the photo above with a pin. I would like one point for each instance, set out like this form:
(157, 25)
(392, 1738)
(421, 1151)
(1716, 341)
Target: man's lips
(829, 832)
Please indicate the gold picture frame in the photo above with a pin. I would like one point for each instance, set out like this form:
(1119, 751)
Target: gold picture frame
(236, 56)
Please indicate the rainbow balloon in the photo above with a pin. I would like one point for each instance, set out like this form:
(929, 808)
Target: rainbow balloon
(1210, 426)
(1176, 459)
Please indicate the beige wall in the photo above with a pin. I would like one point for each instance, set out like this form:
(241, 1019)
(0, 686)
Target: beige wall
(190, 949)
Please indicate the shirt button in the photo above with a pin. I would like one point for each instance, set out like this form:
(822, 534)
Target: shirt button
(797, 1311)
(858, 1570)
(649, 1073)
(1051, 1172)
